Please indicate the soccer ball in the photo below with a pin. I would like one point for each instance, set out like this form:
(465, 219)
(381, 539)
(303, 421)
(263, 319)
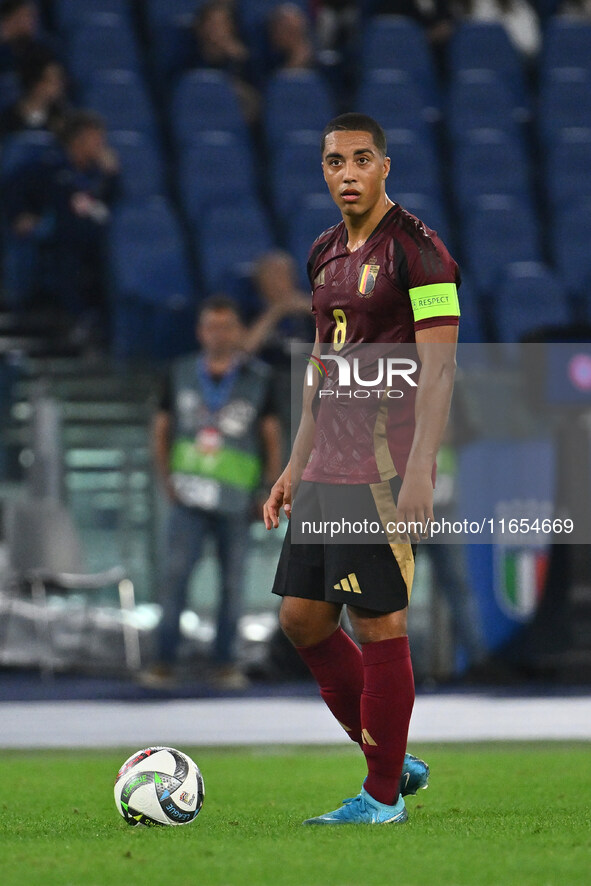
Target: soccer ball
(159, 786)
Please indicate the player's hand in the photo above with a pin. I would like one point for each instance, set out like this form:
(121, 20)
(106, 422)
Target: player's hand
(415, 505)
(280, 496)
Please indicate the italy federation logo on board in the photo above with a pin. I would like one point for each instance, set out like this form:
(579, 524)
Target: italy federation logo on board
(367, 279)
(519, 579)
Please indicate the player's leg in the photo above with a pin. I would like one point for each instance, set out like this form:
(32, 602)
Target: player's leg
(380, 577)
(386, 705)
(333, 658)
(313, 625)
(336, 663)
(387, 699)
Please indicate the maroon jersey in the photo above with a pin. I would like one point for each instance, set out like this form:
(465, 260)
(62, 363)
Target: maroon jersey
(401, 279)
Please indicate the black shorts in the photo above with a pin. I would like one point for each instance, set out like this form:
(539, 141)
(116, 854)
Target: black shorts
(377, 577)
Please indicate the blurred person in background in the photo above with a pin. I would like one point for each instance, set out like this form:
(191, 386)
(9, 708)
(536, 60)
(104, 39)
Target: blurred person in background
(19, 33)
(336, 23)
(578, 9)
(67, 194)
(448, 561)
(285, 318)
(215, 42)
(215, 438)
(42, 103)
(290, 39)
(337, 28)
(518, 17)
(285, 314)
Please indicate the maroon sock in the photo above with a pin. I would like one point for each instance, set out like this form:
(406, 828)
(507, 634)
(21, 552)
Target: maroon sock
(386, 706)
(337, 667)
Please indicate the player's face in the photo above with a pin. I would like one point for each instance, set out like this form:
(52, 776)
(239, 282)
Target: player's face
(354, 171)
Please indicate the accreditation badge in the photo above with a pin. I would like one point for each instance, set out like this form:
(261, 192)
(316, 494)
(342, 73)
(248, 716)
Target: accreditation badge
(208, 441)
(367, 279)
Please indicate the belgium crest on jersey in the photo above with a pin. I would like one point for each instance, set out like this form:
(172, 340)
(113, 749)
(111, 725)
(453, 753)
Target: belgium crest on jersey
(367, 279)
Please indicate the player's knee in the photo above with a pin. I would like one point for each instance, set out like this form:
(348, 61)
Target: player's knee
(295, 626)
(304, 627)
(371, 627)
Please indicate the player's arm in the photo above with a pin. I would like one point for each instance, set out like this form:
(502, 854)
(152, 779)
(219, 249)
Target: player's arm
(437, 351)
(271, 439)
(257, 334)
(161, 441)
(284, 488)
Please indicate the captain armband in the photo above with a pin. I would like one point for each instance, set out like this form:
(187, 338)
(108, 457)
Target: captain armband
(434, 300)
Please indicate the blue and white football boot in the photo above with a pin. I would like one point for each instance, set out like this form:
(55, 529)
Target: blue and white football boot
(415, 775)
(363, 809)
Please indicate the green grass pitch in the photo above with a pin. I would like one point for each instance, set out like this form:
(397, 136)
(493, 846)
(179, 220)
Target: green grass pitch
(494, 815)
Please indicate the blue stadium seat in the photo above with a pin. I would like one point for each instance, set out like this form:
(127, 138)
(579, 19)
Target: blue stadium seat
(480, 99)
(414, 165)
(167, 25)
(170, 49)
(472, 328)
(147, 258)
(216, 168)
(317, 213)
(296, 171)
(295, 99)
(104, 42)
(25, 147)
(392, 41)
(205, 100)
(71, 14)
(488, 161)
(480, 44)
(162, 12)
(568, 166)
(570, 248)
(229, 242)
(396, 100)
(153, 297)
(529, 298)
(142, 174)
(565, 101)
(121, 98)
(567, 43)
(498, 231)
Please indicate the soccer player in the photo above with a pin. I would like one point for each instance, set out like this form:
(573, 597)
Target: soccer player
(379, 276)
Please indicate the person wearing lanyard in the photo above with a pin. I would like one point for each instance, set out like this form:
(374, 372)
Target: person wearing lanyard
(216, 439)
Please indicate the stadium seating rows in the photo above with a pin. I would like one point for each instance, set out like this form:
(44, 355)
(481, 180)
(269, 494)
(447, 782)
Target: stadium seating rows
(464, 157)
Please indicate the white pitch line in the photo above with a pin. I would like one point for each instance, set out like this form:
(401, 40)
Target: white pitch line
(440, 718)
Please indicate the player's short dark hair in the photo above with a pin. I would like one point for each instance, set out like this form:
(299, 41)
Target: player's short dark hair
(352, 122)
(219, 302)
(77, 122)
(9, 7)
